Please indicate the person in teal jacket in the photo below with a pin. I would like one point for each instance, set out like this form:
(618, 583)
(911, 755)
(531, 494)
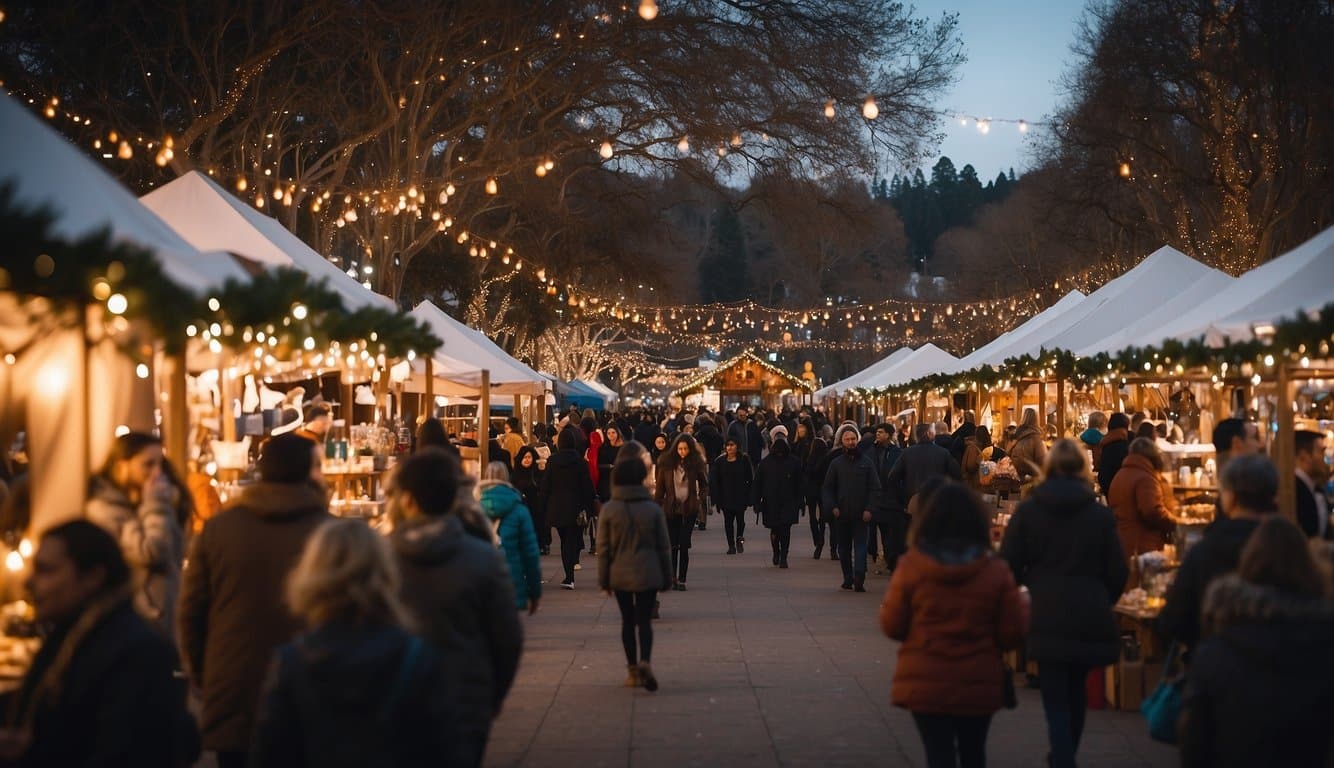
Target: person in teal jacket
(504, 506)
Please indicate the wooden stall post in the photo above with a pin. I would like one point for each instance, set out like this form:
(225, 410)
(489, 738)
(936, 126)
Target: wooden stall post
(1060, 407)
(429, 409)
(518, 414)
(177, 413)
(1285, 452)
(484, 422)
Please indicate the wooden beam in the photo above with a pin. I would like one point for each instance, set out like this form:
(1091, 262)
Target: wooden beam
(1285, 451)
(484, 423)
(1060, 407)
(429, 409)
(176, 414)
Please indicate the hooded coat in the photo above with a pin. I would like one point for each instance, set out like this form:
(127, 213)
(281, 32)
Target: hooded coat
(1063, 545)
(954, 609)
(232, 615)
(567, 488)
(706, 432)
(504, 506)
(1029, 452)
(1141, 507)
(636, 554)
(1260, 690)
(778, 487)
(153, 543)
(851, 485)
(458, 588)
(327, 702)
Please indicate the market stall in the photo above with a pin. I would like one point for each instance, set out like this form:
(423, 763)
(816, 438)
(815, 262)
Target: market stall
(749, 380)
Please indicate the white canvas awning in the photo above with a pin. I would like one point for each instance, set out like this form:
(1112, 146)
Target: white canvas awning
(924, 361)
(459, 362)
(212, 219)
(986, 355)
(839, 387)
(46, 170)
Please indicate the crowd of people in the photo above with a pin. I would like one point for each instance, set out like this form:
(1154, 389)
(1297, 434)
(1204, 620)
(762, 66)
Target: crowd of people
(277, 634)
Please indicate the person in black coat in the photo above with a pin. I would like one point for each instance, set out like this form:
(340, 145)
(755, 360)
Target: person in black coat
(458, 590)
(851, 493)
(101, 690)
(811, 451)
(707, 435)
(747, 435)
(1113, 449)
(778, 496)
(919, 462)
(568, 490)
(890, 520)
(527, 478)
(1062, 544)
(730, 480)
(1248, 485)
(1260, 689)
(357, 689)
(1312, 473)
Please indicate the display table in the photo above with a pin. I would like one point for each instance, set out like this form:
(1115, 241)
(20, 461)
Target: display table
(354, 482)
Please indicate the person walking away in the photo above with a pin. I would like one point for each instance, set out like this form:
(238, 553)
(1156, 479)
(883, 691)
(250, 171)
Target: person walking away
(1260, 689)
(1062, 544)
(635, 564)
(778, 496)
(1092, 437)
(232, 615)
(1312, 474)
(1248, 486)
(512, 439)
(503, 505)
(134, 499)
(987, 450)
(966, 430)
(1112, 450)
(730, 484)
(567, 491)
(457, 589)
(707, 434)
(682, 487)
(811, 452)
(970, 461)
(1140, 502)
(889, 516)
(357, 689)
(955, 607)
(1029, 453)
(527, 478)
(918, 463)
(101, 690)
(851, 491)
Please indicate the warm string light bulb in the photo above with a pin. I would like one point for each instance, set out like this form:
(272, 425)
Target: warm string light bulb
(606, 151)
(870, 110)
(829, 109)
(683, 146)
(492, 187)
(648, 10)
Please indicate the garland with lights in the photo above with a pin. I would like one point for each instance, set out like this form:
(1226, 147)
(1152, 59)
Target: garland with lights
(125, 280)
(1297, 338)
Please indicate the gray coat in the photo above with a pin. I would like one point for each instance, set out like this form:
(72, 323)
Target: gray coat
(153, 543)
(635, 555)
(851, 485)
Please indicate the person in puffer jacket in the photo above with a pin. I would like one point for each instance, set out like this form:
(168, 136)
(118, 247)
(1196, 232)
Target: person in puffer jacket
(504, 506)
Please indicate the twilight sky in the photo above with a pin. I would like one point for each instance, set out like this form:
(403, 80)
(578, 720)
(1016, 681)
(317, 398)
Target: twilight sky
(1017, 52)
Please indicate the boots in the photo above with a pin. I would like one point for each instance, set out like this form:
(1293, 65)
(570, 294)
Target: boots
(859, 582)
(632, 676)
(646, 676)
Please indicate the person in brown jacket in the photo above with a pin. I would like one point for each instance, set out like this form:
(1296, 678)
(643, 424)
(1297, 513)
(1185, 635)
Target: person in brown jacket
(954, 606)
(231, 616)
(1140, 502)
(1029, 453)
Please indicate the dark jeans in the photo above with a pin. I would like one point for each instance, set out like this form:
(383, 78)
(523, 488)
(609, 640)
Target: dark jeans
(233, 759)
(946, 737)
(818, 526)
(782, 540)
(1064, 702)
(850, 536)
(472, 748)
(679, 530)
(636, 613)
(541, 528)
(733, 518)
(593, 533)
(892, 529)
(571, 543)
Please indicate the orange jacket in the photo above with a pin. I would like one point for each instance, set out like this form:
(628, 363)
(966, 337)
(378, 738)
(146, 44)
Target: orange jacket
(953, 621)
(1141, 506)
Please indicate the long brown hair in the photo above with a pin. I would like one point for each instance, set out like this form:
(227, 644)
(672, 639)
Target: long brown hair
(1277, 555)
(669, 461)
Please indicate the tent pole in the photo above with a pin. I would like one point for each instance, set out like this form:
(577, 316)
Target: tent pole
(1285, 451)
(428, 408)
(484, 422)
(177, 415)
(1060, 407)
(518, 413)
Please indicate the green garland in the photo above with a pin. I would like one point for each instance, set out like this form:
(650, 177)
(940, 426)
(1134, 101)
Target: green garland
(1298, 336)
(285, 304)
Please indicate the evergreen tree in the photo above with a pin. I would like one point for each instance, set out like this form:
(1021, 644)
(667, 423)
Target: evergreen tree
(723, 272)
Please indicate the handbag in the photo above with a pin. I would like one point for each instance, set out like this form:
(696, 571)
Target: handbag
(1162, 708)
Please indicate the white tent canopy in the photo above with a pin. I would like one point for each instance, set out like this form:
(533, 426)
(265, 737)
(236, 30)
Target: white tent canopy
(459, 363)
(607, 392)
(46, 170)
(1302, 278)
(986, 355)
(923, 361)
(1145, 326)
(211, 218)
(839, 387)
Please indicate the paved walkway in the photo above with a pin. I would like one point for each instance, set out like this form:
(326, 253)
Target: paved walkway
(758, 667)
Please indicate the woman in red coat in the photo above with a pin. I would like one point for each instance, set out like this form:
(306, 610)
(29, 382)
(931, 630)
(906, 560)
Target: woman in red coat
(954, 606)
(1140, 502)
